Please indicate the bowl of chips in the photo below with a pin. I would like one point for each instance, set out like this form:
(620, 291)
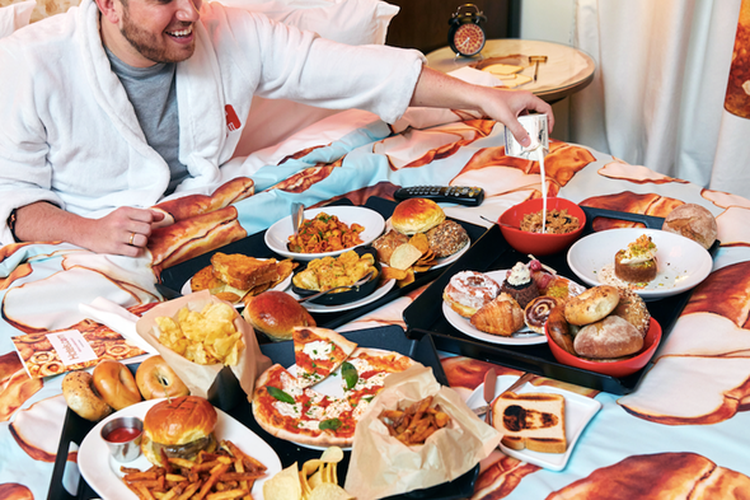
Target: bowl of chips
(325, 231)
(343, 270)
(521, 226)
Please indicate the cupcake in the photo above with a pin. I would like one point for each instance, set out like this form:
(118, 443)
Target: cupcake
(519, 285)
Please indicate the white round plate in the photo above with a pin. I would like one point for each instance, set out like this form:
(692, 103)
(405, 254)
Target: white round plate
(524, 336)
(442, 262)
(382, 289)
(281, 287)
(579, 410)
(277, 236)
(103, 474)
(682, 262)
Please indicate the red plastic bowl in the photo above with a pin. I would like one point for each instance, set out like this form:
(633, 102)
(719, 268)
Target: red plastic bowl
(615, 368)
(539, 244)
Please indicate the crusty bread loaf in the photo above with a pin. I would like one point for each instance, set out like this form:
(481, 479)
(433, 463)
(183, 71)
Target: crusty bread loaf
(416, 215)
(535, 421)
(591, 305)
(692, 221)
(612, 337)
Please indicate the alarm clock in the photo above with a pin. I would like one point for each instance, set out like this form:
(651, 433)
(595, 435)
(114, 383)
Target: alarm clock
(465, 35)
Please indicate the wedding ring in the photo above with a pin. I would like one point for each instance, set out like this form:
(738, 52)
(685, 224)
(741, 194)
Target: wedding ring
(130, 241)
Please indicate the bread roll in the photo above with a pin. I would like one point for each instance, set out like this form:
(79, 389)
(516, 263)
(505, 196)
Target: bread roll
(416, 215)
(694, 222)
(276, 314)
(612, 337)
(592, 305)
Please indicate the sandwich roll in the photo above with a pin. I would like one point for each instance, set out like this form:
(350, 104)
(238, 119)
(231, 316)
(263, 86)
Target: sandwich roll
(276, 314)
(612, 337)
(592, 305)
(416, 215)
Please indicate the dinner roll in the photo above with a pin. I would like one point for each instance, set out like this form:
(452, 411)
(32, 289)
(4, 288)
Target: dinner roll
(692, 221)
(612, 337)
(276, 314)
(416, 215)
(592, 305)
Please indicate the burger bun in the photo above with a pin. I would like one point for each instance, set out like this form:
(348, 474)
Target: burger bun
(276, 314)
(416, 215)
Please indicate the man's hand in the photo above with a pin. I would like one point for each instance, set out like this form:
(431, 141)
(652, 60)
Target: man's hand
(125, 231)
(438, 90)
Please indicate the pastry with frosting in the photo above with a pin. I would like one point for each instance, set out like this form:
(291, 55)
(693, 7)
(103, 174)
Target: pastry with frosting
(519, 285)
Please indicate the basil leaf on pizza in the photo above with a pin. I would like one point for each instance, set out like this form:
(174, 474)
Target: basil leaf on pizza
(327, 414)
(318, 352)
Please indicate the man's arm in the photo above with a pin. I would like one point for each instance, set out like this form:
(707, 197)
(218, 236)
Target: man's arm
(436, 89)
(124, 231)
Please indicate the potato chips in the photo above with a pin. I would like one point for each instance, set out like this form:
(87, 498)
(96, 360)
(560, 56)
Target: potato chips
(205, 337)
(408, 258)
(316, 481)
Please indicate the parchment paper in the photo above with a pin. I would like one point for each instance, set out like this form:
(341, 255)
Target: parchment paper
(197, 377)
(381, 465)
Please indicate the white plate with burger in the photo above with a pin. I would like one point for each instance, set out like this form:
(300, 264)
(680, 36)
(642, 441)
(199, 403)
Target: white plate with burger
(681, 262)
(277, 236)
(102, 472)
(383, 288)
(579, 410)
(524, 336)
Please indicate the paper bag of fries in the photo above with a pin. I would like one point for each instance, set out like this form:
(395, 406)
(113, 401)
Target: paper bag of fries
(416, 434)
(198, 335)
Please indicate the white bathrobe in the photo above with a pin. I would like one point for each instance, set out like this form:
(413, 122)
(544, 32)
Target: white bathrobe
(69, 135)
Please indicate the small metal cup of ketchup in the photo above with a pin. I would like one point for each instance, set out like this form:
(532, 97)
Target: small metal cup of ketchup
(123, 436)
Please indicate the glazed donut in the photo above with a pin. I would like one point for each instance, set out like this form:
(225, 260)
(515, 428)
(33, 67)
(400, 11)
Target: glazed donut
(559, 330)
(156, 379)
(592, 305)
(116, 384)
(79, 392)
(537, 311)
(468, 291)
(632, 308)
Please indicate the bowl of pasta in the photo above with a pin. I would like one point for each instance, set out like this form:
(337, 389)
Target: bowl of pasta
(325, 232)
(521, 226)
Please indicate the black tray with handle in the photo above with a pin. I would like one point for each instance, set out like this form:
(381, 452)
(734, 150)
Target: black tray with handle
(492, 252)
(173, 278)
(390, 338)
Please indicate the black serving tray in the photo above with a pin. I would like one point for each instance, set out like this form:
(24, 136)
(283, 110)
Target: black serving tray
(173, 278)
(392, 338)
(492, 252)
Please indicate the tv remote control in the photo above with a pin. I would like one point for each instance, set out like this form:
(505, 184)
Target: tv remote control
(463, 195)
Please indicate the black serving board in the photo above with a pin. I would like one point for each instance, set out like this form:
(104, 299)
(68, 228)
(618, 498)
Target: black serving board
(391, 338)
(173, 278)
(492, 252)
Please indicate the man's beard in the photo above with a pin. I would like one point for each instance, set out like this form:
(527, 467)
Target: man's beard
(149, 46)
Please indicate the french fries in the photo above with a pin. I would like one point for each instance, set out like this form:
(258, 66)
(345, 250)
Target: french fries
(413, 425)
(226, 474)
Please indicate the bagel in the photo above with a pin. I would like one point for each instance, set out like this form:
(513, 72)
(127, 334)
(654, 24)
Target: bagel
(592, 305)
(156, 379)
(116, 385)
(80, 396)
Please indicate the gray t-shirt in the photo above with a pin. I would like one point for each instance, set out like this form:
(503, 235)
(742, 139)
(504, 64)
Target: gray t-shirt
(152, 92)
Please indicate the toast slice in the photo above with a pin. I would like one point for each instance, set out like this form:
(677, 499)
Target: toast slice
(535, 421)
(243, 272)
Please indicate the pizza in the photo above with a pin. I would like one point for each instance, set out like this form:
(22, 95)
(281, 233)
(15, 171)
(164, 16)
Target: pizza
(318, 352)
(310, 417)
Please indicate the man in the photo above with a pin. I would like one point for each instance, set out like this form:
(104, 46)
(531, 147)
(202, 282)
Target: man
(119, 102)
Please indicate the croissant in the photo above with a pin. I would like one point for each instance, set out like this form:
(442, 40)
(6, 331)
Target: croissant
(500, 316)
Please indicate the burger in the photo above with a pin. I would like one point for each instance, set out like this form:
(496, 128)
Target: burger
(178, 428)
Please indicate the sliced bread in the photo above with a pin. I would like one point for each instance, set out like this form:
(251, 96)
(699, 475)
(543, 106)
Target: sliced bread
(535, 421)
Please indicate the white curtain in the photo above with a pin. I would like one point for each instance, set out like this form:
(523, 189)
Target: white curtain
(658, 95)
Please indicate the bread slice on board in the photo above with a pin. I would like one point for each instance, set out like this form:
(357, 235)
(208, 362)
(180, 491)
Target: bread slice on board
(535, 421)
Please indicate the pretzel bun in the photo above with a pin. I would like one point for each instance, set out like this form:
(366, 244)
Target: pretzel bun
(612, 337)
(276, 314)
(80, 396)
(416, 215)
(592, 305)
(114, 382)
(692, 221)
(156, 379)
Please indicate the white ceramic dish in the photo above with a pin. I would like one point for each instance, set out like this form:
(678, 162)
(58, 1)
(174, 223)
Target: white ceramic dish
(382, 289)
(281, 287)
(525, 336)
(103, 474)
(682, 262)
(579, 410)
(277, 236)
